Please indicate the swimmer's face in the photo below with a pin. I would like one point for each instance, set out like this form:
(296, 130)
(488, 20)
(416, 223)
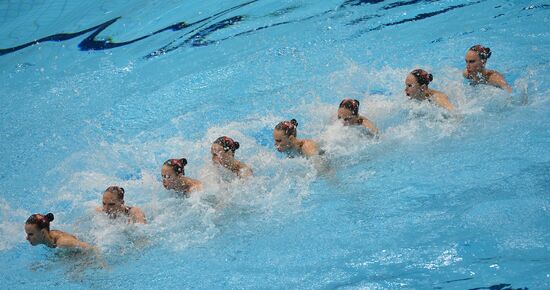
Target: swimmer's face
(282, 142)
(169, 177)
(111, 203)
(474, 63)
(344, 113)
(219, 154)
(34, 235)
(412, 88)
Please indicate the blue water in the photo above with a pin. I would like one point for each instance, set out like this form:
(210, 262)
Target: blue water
(435, 203)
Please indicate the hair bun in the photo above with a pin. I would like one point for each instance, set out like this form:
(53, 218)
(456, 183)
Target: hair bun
(430, 77)
(122, 189)
(183, 161)
(237, 145)
(488, 52)
(49, 217)
(294, 122)
(357, 102)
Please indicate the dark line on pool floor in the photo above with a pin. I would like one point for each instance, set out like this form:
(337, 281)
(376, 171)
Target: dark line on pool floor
(91, 43)
(502, 286)
(198, 31)
(418, 17)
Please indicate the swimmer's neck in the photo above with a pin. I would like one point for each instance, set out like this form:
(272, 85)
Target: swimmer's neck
(353, 120)
(229, 163)
(424, 95)
(50, 238)
(296, 147)
(480, 75)
(183, 185)
(297, 144)
(122, 210)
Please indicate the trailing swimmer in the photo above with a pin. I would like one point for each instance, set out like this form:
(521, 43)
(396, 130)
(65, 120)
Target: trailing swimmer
(286, 141)
(113, 205)
(173, 177)
(37, 228)
(416, 88)
(476, 73)
(223, 154)
(348, 112)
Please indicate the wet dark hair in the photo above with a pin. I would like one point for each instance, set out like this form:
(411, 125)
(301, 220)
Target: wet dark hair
(227, 143)
(177, 165)
(422, 76)
(482, 51)
(289, 127)
(350, 104)
(40, 220)
(116, 189)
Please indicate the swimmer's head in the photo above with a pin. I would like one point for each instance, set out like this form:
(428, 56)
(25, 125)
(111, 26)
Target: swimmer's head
(417, 83)
(35, 226)
(113, 199)
(476, 58)
(348, 108)
(171, 170)
(284, 134)
(224, 148)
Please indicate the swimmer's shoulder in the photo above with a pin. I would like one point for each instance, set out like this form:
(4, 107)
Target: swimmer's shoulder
(310, 148)
(441, 99)
(192, 184)
(493, 76)
(438, 95)
(497, 79)
(66, 240)
(244, 170)
(136, 215)
(373, 130)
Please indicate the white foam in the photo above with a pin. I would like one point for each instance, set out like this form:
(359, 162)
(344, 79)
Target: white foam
(11, 225)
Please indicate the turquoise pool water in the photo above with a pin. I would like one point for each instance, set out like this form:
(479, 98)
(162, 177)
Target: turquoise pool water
(101, 93)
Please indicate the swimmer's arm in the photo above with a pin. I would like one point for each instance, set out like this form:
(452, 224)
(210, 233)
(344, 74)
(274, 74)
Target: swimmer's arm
(310, 148)
(67, 241)
(497, 80)
(137, 215)
(370, 125)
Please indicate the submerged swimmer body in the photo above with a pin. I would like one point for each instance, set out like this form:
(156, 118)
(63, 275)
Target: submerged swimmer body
(173, 177)
(476, 59)
(38, 232)
(416, 87)
(223, 154)
(285, 139)
(348, 112)
(113, 205)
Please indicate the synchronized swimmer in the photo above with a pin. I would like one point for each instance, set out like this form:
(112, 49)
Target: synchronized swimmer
(348, 112)
(416, 88)
(37, 226)
(38, 232)
(114, 207)
(223, 154)
(476, 59)
(285, 136)
(173, 177)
